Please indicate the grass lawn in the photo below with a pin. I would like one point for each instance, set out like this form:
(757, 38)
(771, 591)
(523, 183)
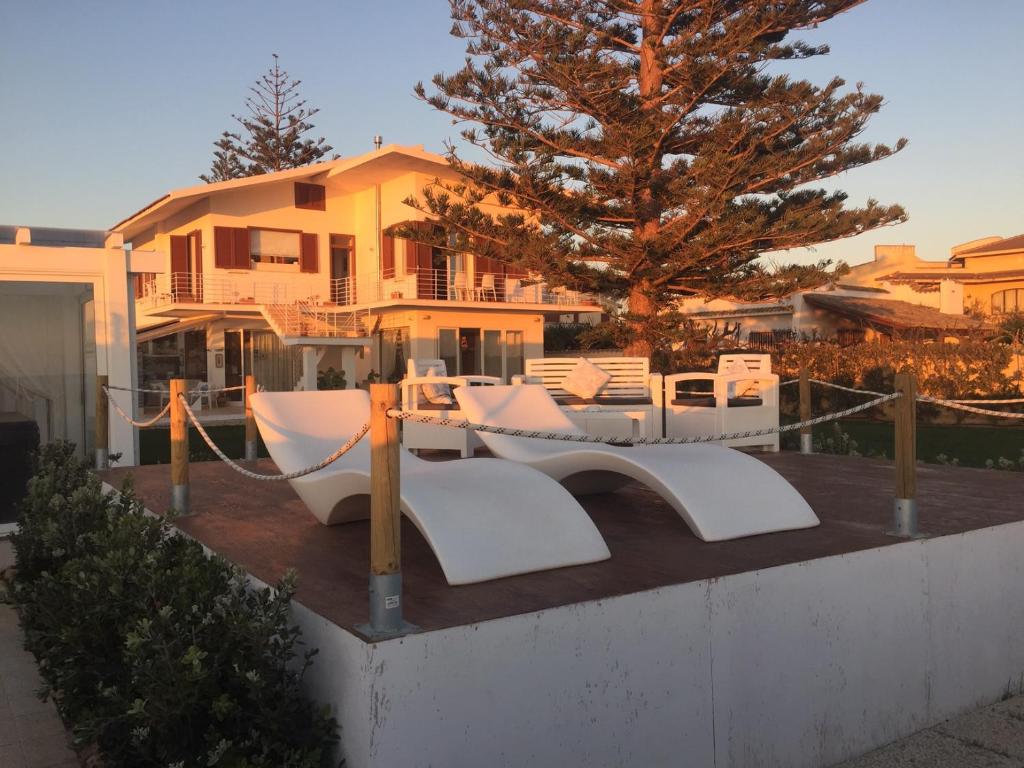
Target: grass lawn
(972, 445)
(155, 444)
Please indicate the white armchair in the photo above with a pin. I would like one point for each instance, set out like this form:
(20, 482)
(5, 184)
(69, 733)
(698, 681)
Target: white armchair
(432, 373)
(736, 402)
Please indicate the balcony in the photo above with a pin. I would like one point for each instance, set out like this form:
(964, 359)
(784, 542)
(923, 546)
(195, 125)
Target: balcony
(429, 285)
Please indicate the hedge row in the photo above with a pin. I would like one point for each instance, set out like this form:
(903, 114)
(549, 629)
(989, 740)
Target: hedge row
(155, 652)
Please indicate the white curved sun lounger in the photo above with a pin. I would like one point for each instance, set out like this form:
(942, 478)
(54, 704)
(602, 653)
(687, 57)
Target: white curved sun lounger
(484, 519)
(720, 493)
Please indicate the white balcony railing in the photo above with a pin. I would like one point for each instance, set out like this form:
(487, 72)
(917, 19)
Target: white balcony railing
(435, 285)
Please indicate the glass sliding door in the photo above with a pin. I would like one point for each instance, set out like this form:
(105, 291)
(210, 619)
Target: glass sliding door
(492, 353)
(514, 359)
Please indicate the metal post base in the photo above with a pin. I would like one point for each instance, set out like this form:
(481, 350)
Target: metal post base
(904, 519)
(179, 500)
(250, 450)
(386, 608)
(806, 446)
(102, 459)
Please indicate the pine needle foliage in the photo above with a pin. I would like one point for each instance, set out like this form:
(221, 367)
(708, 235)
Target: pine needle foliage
(273, 133)
(659, 137)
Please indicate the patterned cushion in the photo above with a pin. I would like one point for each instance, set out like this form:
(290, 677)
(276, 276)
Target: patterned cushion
(440, 393)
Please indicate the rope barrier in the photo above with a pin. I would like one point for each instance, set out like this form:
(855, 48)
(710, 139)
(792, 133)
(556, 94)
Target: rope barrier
(960, 406)
(129, 419)
(164, 391)
(1011, 401)
(835, 386)
(286, 476)
(585, 438)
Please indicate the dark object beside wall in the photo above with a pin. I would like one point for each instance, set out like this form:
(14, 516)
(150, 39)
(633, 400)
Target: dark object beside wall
(19, 439)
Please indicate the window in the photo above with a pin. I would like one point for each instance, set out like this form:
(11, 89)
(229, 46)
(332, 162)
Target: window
(448, 349)
(492, 353)
(312, 197)
(1010, 300)
(272, 246)
(514, 353)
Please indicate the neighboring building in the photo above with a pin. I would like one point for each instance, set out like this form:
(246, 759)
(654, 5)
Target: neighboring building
(895, 294)
(66, 312)
(288, 273)
(989, 271)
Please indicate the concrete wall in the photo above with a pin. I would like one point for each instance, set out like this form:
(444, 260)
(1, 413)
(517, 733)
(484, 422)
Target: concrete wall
(801, 665)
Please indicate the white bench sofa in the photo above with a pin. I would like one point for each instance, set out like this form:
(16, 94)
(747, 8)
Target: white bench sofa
(416, 436)
(744, 396)
(629, 406)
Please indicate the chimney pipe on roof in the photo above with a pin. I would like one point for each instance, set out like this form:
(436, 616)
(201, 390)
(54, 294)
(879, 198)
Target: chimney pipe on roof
(377, 141)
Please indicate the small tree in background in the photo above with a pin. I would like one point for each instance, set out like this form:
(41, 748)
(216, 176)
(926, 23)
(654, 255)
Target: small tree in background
(655, 136)
(274, 132)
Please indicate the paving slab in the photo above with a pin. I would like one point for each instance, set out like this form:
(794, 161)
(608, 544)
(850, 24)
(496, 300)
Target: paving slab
(931, 749)
(990, 728)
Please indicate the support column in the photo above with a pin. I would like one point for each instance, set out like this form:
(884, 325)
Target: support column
(309, 364)
(180, 501)
(348, 366)
(385, 518)
(806, 437)
(905, 504)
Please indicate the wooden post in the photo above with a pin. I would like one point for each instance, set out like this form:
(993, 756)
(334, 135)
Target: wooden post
(905, 509)
(806, 442)
(179, 449)
(102, 423)
(385, 515)
(250, 421)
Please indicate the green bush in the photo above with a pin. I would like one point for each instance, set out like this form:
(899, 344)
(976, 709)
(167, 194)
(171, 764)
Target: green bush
(156, 652)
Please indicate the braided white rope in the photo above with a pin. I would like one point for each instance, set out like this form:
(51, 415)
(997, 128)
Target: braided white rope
(1011, 401)
(958, 405)
(1014, 401)
(129, 419)
(164, 391)
(836, 386)
(584, 438)
(286, 476)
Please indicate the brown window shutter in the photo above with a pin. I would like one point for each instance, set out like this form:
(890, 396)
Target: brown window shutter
(310, 196)
(307, 254)
(240, 250)
(387, 257)
(179, 253)
(222, 247)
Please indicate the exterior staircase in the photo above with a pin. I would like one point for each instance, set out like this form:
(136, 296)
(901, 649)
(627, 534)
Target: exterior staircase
(303, 323)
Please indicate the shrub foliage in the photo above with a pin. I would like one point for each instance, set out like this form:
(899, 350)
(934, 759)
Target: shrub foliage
(154, 651)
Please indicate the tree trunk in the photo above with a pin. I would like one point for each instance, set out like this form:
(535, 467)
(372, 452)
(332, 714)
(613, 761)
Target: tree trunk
(648, 223)
(642, 305)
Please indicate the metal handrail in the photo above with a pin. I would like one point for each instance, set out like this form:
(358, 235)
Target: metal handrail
(438, 285)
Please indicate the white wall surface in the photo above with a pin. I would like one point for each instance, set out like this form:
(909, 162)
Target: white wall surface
(800, 665)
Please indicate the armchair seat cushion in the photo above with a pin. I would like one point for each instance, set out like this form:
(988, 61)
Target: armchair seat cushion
(599, 400)
(709, 402)
(429, 406)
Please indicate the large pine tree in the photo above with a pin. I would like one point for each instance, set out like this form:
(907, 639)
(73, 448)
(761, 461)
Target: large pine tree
(658, 136)
(273, 135)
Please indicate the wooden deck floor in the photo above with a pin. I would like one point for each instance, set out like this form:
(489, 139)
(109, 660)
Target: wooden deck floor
(263, 527)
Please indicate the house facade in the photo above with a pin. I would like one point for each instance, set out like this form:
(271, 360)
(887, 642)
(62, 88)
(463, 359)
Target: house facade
(289, 274)
(896, 293)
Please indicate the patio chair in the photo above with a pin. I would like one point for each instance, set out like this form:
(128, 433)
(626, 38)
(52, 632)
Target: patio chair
(424, 377)
(488, 287)
(460, 289)
(476, 533)
(720, 493)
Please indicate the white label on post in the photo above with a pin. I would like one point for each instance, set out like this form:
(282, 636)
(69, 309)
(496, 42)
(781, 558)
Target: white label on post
(390, 601)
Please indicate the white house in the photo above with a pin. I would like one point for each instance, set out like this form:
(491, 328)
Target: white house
(288, 274)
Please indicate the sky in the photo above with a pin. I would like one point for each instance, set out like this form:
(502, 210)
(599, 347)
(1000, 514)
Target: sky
(105, 106)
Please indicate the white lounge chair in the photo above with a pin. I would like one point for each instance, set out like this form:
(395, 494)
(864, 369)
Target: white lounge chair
(720, 493)
(484, 519)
